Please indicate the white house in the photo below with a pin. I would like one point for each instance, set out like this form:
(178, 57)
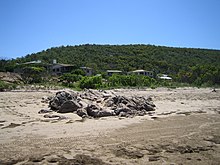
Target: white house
(111, 72)
(164, 77)
(143, 72)
(58, 69)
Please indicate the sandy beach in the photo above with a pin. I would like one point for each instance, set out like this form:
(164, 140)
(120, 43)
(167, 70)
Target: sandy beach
(184, 129)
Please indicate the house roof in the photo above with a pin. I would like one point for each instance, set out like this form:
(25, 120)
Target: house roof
(84, 67)
(140, 70)
(64, 65)
(136, 71)
(114, 71)
(33, 62)
(165, 78)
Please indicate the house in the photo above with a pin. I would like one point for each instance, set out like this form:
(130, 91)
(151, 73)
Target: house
(33, 62)
(88, 71)
(164, 77)
(143, 72)
(111, 72)
(58, 69)
(20, 66)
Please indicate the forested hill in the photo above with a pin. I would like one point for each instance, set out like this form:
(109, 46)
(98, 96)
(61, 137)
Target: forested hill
(173, 61)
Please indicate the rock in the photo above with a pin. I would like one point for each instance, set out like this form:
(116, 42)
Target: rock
(95, 111)
(92, 110)
(123, 109)
(105, 113)
(69, 106)
(93, 103)
(45, 111)
(148, 107)
(154, 158)
(82, 112)
(109, 103)
(55, 104)
(59, 99)
(122, 114)
(59, 117)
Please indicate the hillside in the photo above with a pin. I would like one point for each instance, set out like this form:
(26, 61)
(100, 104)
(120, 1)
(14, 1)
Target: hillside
(184, 64)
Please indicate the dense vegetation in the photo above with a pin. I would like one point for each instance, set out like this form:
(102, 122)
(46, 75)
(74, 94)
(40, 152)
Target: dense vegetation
(184, 65)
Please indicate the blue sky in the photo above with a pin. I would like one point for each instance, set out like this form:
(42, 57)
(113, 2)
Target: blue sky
(30, 26)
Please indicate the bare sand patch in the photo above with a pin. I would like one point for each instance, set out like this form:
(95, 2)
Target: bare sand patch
(185, 128)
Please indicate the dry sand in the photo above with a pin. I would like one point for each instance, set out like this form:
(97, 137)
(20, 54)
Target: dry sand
(185, 129)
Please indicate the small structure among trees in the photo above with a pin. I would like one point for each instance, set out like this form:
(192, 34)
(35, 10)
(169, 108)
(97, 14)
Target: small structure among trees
(58, 69)
(143, 72)
(88, 71)
(111, 72)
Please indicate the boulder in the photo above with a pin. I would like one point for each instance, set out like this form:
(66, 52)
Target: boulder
(69, 106)
(82, 112)
(93, 103)
(96, 111)
(60, 98)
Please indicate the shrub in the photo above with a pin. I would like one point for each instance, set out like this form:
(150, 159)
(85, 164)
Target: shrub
(91, 82)
(68, 79)
(5, 86)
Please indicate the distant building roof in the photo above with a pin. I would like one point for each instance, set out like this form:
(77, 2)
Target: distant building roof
(84, 67)
(33, 62)
(135, 71)
(114, 71)
(140, 70)
(64, 64)
(165, 77)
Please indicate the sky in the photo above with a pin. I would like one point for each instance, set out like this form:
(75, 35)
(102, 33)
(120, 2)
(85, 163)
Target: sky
(30, 26)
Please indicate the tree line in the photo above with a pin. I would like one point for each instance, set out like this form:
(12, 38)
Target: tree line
(184, 65)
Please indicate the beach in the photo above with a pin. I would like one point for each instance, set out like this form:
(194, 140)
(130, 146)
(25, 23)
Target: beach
(184, 129)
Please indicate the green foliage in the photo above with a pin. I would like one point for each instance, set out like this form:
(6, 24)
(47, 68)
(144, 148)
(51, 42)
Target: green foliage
(117, 80)
(32, 74)
(198, 75)
(78, 72)
(6, 86)
(68, 79)
(184, 65)
(91, 82)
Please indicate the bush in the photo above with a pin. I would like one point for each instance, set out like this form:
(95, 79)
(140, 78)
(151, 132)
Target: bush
(130, 80)
(6, 86)
(91, 82)
(33, 74)
(68, 79)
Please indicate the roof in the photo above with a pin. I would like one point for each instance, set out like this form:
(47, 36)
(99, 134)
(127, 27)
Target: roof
(84, 67)
(165, 78)
(140, 70)
(114, 71)
(33, 62)
(64, 65)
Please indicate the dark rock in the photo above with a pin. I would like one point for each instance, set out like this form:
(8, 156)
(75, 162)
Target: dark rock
(92, 103)
(59, 117)
(69, 106)
(95, 111)
(82, 112)
(123, 109)
(122, 114)
(45, 111)
(59, 99)
(154, 158)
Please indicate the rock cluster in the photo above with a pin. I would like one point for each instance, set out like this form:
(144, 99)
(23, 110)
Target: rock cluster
(93, 103)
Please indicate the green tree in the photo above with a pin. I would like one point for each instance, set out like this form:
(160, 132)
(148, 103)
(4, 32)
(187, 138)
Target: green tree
(33, 74)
